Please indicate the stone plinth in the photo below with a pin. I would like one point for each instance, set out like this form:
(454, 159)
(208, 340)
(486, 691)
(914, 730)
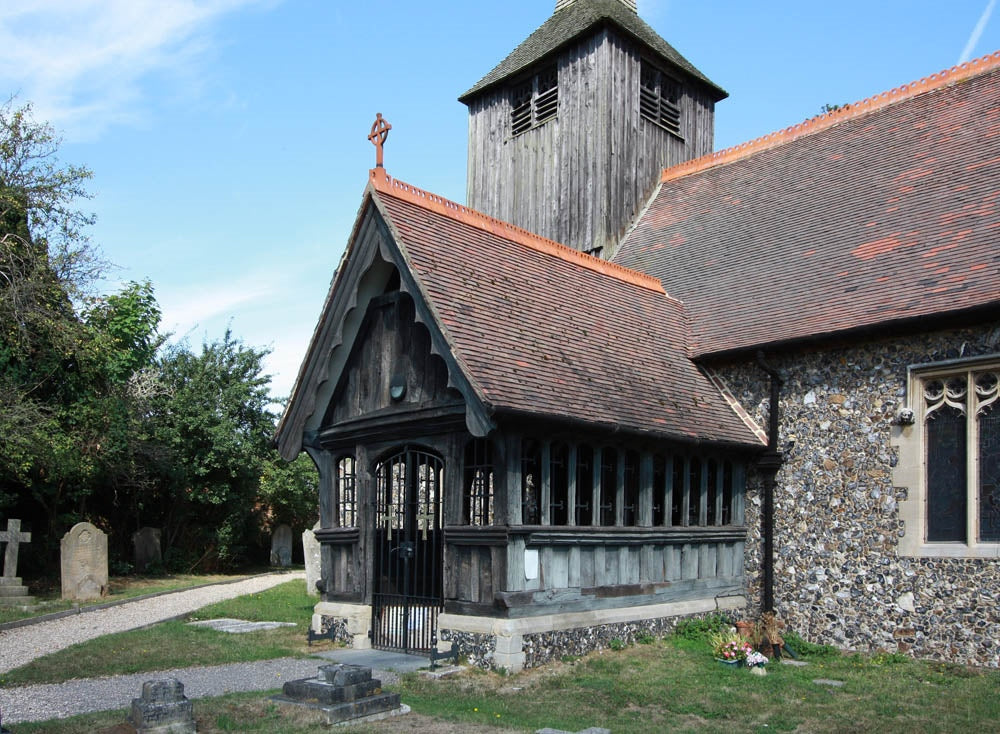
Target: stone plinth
(163, 709)
(341, 693)
(13, 593)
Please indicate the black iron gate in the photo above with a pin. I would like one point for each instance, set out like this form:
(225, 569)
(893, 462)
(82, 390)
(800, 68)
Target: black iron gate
(407, 587)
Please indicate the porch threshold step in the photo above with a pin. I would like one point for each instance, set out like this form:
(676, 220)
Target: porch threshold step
(378, 659)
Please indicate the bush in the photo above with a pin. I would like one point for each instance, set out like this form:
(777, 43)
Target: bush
(703, 628)
(806, 649)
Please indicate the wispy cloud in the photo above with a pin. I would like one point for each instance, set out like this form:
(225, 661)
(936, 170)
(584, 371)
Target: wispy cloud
(188, 308)
(83, 63)
(970, 45)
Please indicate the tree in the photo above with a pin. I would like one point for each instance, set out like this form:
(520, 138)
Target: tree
(289, 491)
(45, 260)
(215, 424)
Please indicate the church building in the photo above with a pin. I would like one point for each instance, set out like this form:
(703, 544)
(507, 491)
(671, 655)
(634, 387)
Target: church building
(636, 380)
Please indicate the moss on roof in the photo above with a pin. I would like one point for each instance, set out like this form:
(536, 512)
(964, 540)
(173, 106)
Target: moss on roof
(568, 24)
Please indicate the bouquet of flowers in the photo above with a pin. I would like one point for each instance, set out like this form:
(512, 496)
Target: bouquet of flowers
(731, 647)
(755, 659)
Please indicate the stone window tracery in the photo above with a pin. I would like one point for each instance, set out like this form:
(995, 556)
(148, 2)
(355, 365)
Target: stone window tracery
(958, 492)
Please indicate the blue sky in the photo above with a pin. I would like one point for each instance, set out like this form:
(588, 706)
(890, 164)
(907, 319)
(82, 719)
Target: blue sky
(228, 137)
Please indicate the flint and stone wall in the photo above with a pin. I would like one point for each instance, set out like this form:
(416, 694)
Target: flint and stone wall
(839, 577)
(513, 644)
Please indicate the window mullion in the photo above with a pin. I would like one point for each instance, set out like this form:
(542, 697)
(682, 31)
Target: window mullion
(972, 463)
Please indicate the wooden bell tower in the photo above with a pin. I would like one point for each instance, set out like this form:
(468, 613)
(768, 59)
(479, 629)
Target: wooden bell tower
(569, 133)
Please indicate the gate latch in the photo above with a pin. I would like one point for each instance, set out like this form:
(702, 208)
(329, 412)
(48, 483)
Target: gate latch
(407, 549)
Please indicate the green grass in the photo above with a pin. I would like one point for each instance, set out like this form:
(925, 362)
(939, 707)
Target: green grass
(671, 685)
(175, 644)
(676, 686)
(663, 685)
(121, 587)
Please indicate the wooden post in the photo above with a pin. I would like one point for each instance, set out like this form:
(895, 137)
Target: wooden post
(620, 489)
(571, 485)
(545, 493)
(595, 504)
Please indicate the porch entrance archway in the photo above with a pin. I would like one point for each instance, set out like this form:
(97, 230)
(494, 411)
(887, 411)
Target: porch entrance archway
(407, 585)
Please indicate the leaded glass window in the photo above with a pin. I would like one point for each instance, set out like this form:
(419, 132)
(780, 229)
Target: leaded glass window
(962, 457)
(531, 463)
(609, 485)
(559, 481)
(347, 498)
(584, 484)
(477, 490)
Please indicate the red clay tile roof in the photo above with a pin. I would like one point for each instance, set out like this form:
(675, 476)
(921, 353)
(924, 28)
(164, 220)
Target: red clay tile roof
(541, 328)
(882, 213)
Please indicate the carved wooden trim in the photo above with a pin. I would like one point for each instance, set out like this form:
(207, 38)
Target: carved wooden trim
(481, 536)
(676, 535)
(338, 536)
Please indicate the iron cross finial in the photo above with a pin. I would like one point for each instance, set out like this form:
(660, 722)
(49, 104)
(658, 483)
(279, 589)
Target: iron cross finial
(378, 135)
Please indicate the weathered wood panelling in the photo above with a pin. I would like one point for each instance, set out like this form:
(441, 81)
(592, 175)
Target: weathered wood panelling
(390, 346)
(581, 177)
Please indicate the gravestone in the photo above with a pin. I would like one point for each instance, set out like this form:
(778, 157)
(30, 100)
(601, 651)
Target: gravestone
(163, 709)
(311, 551)
(84, 559)
(12, 591)
(340, 693)
(147, 548)
(281, 546)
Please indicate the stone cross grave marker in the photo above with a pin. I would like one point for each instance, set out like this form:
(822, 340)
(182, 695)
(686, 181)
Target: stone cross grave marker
(147, 548)
(84, 561)
(311, 551)
(13, 537)
(281, 546)
(12, 592)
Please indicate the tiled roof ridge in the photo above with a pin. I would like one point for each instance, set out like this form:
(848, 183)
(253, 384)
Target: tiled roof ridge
(385, 184)
(816, 124)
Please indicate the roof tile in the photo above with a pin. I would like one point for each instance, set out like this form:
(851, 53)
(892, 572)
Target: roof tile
(554, 335)
(827, 227)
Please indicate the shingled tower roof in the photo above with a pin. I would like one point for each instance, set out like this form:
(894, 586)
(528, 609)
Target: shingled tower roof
(571, 22)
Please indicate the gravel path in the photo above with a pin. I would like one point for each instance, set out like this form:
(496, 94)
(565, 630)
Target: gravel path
(22, 645)
(59, 700)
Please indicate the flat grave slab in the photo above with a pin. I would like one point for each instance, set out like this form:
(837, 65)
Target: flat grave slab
(239, 626)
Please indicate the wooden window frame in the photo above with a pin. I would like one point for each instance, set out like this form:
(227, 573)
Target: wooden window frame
(660, 96)
(346, 480)
(478, 483)
(534, 101)
(910, 437)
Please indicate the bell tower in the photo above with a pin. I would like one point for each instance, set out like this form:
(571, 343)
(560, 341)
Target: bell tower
(569, 133)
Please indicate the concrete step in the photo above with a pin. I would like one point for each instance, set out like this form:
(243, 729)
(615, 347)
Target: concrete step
(17, 601)
(11, 581)
(13, 591)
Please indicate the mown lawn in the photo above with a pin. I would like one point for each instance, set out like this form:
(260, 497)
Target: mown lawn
(176, 644)
(663, 686)
(120, 587)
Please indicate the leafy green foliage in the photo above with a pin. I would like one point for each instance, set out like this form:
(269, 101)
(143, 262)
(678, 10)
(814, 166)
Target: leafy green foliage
(289, 490)
(703, 628)
(98, 420)
(810, 650)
